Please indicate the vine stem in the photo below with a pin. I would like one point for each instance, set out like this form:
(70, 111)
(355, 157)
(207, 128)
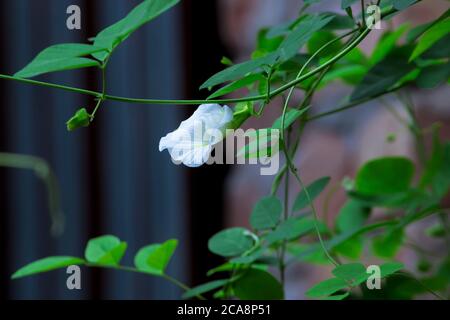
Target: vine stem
(131, 269)
(286, 145)
(274, 93)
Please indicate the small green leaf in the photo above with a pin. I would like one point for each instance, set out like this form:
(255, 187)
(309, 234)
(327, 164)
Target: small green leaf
(337, 296)
(231, 242)
(384, 75)
(266, 213)
(351, 248)
(226, 61)
(239, 70)
(291, 116)
(326, 288)
(388, 175)
(107, 250)
(298, 37)
(390, 268)
(154, 258)
(433, 76)
(257, 284)
(387, 42)
(430, 37)
(352, 216)
(386, 246)
(263, 143)
(290, 229)
(353, 272)
(60, 57)
(80, 119)
(46, 264)
(203, 288)
(314, 189)
(238, 84)
(115, 34)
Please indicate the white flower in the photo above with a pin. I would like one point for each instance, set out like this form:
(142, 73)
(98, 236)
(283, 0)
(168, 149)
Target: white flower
(195, 138)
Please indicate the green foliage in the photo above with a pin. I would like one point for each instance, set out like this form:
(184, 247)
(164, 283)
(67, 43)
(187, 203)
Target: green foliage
(314, 189)
(291, 116)
(231, 242)
(256, 284)
(204, 288)
(115, 34)
(352, 216)
(290, 229)
(81, 118)
(385, 176)
(154, 258)
(61, 57)
(105, 250)
(45, 265)
(266, 214)
(430, 37)
(384, 75)
(276, 240)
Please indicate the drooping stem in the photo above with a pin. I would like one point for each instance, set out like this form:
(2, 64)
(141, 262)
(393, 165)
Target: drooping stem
(134, 270)
(273, 94)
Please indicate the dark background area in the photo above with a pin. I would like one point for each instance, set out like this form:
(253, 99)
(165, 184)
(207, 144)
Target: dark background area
(112, 177)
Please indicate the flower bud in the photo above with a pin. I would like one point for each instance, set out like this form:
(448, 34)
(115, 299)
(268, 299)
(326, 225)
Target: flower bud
(81, 119)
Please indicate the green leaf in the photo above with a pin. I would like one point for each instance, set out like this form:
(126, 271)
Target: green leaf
(351, 248)
(263, 143)
(231, 242)
(238, 84)
(319, 39)
(154, 258)
(403, 4)
(266, 213)
(386, 175)
(106, 250)
(226, 61)
(298, 37)
(386, 43)
(239, 70)
(326, 288)
(352, 272)
(80, 119)
(351, 74)
(60, 57)
(433, 76)
(421, 29)
(386, 246)
(203, 288)
(337, 296)
(430, 37)
(339, 22)
(314, 189)
(290, 229)
(390, 268)
(257, 284)
(290, 46)
(352, 216)
(46, 264)
(437, 168)
(115, 34)
(291, 116)
(383, 75)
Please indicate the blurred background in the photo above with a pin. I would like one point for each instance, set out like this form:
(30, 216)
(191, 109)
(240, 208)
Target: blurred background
(113, 179)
